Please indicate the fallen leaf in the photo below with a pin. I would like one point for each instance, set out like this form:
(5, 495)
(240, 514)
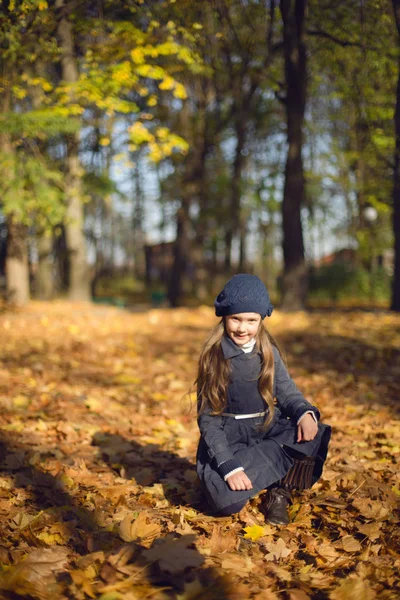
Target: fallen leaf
(297, 594)
(222, 541)
(138, 527)
(237, 563)
(174, 556)
(353, 588)
(350, 544)
(371, 530)
(371, 509)
(277, 550)
(254, 532)
(35, 574)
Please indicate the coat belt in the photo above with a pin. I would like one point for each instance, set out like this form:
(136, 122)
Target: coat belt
(259, 414)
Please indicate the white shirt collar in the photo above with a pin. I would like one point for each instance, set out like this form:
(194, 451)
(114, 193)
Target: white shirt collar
(248, 346)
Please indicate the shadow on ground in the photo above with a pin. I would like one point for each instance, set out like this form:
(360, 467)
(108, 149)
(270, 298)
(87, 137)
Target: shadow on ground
(49, 498)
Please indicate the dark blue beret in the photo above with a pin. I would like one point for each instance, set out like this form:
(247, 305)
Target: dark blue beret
(243, 293)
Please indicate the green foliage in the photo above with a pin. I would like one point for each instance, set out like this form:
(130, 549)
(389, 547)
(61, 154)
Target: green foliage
(42, 124)
(344, 282)
(31, 190)
(353, 67)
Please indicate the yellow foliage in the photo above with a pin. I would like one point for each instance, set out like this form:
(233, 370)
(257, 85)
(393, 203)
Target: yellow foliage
(167, 83)
(152, 101)
(140, 134)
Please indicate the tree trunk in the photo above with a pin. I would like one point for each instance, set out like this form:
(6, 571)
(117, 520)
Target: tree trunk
(137, 223)
(395, 304)
(61, 260)
(44, 276)
(294, 280)
(193, 174)
(181, 252)
(234, 218)
(79, 280)
(17, 269)
(16, 262)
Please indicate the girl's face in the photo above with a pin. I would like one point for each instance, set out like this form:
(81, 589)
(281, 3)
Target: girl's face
(243, 327)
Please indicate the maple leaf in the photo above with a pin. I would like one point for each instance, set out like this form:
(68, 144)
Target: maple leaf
(277, 550)
(254, 532)
(174, 556)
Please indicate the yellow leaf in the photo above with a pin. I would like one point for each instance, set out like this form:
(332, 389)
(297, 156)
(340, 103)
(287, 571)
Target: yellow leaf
(51, 539)
(21, 401)
(93, 404)
(67, 482)
(159, 396)
(254, 532)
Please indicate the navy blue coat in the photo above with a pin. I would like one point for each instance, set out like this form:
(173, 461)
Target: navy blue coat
(264, 455)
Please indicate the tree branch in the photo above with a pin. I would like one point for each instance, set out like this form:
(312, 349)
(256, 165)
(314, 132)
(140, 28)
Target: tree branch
(332, 38)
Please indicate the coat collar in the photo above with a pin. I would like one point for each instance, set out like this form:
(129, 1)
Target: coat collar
(229, 348)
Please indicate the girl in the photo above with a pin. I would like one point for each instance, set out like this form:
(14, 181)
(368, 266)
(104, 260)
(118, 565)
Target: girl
(249, 442)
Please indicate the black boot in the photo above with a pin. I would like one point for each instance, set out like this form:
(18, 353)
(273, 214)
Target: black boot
(276, 505)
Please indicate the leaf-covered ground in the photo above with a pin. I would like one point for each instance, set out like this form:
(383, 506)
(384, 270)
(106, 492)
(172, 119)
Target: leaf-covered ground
(98, 492)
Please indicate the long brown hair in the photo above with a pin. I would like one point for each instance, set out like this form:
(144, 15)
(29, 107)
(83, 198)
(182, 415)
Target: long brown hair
(214, 372)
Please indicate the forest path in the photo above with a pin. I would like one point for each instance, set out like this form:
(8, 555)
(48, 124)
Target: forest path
(98, 493)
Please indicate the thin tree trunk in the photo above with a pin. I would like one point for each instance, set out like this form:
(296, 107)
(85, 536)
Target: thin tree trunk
(61, 260)
(181, 252)
(395, 304)
(17, 269)
(16, 263)
(79, 280)
(234, 219)
(294, 280)
(44, 281)
(137, 222)
(44, 276)
(243, 248)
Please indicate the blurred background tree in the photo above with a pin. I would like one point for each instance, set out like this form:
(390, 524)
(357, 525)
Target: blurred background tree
(149, 150)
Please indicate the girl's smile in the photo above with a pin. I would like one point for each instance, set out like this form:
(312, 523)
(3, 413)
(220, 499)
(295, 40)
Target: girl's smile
(243, 327)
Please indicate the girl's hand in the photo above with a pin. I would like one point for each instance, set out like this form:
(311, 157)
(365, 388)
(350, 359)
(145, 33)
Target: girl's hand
(307, 429)
(239, 481)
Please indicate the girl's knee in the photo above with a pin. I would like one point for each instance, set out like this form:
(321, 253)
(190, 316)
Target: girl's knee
(231, 509)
